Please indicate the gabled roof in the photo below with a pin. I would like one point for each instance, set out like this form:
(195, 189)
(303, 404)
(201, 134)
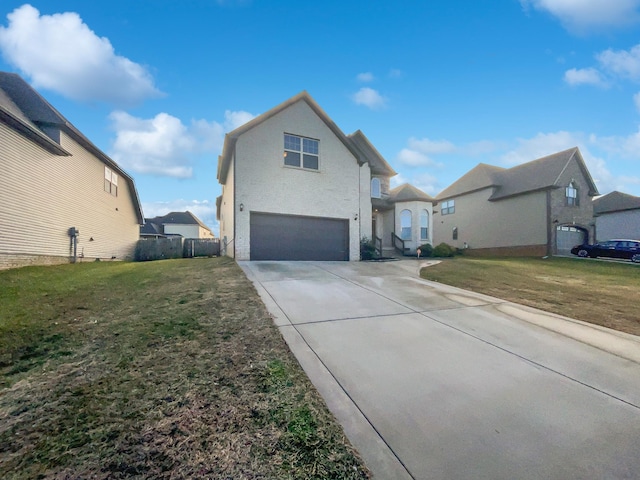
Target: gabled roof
(480, 177)
(615, 202)
(177, 218)
(377, 163)
(231, 138)
(541, 174)
(408, 193)
(25, 110)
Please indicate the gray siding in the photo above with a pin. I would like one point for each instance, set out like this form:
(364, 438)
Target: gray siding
(42, 195)
(624, 224)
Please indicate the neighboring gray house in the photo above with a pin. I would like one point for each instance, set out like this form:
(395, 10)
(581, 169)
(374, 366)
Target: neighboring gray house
(541, 207)
(183, 224)
(617, 215)
(61, 198)
(295, 187)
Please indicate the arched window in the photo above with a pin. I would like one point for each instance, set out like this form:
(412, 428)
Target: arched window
(375, 188)
(405, 224)
(424, 225)
(572, 194)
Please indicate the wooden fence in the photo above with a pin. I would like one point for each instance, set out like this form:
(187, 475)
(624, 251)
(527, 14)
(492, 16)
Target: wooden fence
(176, 247)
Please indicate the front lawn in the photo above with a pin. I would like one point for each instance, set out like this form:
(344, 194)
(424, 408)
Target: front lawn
(599, 292)
(168, 369)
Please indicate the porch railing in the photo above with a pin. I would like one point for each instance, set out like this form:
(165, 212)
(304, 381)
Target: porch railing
(398, 244)
(377, 243)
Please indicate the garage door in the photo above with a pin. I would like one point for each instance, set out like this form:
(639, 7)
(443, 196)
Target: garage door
(293, 237)
(568, 237)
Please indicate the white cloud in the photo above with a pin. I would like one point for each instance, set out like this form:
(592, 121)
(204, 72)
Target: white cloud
(370, 98)
(541, 145)
(582, 16)
(163, 145)
(396, 73)
(60, 53)
(584, 76)
(636, 101)
(205, 210)
(413, 158)
(625, 64)
(428, 146)
(365, 77)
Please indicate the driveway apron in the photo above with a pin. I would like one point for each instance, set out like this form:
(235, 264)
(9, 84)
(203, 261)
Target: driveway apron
(434, 382)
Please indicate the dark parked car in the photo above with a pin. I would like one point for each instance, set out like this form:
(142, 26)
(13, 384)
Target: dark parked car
(617, 248)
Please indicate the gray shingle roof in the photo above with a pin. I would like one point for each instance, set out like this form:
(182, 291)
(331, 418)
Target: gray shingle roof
(377, 163)
(540, 174)
(408, 193)
(615, 202)
(177, 218)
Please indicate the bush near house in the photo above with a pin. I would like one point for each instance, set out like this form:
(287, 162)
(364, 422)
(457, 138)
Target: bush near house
(367, 249)
(444, 250)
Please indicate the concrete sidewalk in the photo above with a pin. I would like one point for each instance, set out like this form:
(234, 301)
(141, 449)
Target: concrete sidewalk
(431, 381)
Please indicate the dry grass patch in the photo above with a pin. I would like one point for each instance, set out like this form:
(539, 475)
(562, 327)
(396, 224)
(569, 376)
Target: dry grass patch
(603, 293)
(167, 369)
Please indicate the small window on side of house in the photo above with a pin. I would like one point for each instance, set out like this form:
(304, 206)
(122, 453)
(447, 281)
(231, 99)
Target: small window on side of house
(448, 207)
(375, 188)
(301, 152)
(455, 233)
(405, 224)
(571, 193)
(424, 225)
(110, 181)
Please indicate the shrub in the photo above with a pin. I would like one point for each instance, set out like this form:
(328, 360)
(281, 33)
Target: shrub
(367, 249)
(426, 250)
(443, 250)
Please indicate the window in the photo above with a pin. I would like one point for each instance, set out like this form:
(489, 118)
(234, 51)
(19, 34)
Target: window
(110, 182)
(424, 225)
(301, 152)
(405, 224)
(448, 207)
(572, 195)
(375, 188)
(455, 233)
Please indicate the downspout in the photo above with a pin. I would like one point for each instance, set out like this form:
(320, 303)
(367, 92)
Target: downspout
(73, 242)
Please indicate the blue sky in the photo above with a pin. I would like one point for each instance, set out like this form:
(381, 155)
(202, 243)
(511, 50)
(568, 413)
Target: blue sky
(437, 86)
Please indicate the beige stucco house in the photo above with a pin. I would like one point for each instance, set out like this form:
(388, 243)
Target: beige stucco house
(61, 198)
(541, 207)
(617, 215)
(295, 187)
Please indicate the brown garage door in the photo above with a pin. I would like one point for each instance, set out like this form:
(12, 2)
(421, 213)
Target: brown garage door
(293, 237)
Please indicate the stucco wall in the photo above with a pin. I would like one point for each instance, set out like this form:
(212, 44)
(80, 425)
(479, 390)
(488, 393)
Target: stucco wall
(42, 195)
(618, 225)
(415, 208)
(513, 222)
(365, 202)
(227, 213)
(265, 184)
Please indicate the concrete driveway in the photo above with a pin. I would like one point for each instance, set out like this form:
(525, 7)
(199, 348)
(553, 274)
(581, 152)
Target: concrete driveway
(434, 382)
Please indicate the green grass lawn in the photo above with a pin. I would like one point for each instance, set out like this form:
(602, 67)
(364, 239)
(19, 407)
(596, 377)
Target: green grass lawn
(169, 369)
(599, 292)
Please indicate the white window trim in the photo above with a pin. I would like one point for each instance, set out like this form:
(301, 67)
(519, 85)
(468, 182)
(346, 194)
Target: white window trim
(376, 193)
(301, 152)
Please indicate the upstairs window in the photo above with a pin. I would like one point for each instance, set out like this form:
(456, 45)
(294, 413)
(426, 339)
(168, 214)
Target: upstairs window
(301, 152)
(405, 224)
(375, 188)
(571, 193)
(448, 207)
(424, 225)
(110, 181)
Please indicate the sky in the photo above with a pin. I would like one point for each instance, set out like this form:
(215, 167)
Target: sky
(437, 86)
